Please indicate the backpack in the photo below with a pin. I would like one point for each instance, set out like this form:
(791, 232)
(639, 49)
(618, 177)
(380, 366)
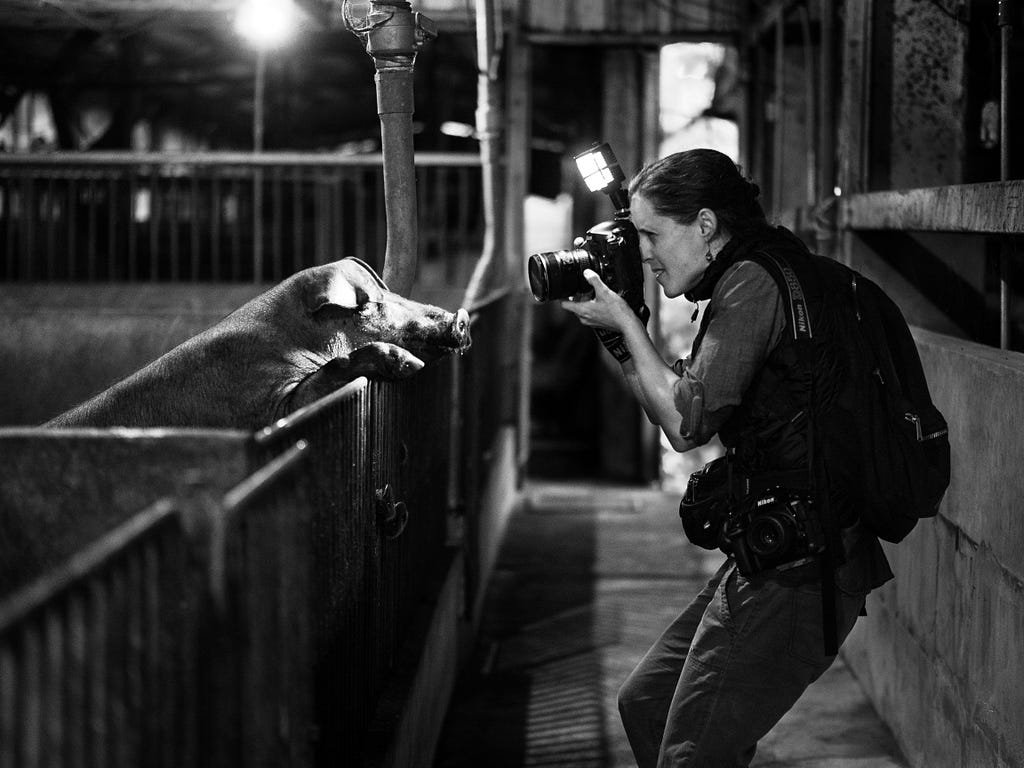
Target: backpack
(904, 437)
(891, 455)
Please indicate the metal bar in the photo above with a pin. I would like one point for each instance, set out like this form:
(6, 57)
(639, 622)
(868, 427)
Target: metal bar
(236, 225)
(228, 159)
(586, 38)
(72, 218)
(826, 143)
(810, 106)
(252, 487)
(28, 241)
(29, 599)
(297, 229)
(216, 206)
(91, 247)
(257, 225)
(111, 249)
(193, 225)
(1005, 23)
(11, 193)
(994, 208)
(778, 99)
(308, 414)
(173, 222)
(338, 216)
(133, 229)
(277, 258)
(51, 228)
(155, 209)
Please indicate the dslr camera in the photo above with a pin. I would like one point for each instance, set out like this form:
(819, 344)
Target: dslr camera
(769, 524)
(611, 248)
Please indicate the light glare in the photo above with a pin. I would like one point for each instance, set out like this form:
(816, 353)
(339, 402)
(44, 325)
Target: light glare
(266, 23)
(594, 170)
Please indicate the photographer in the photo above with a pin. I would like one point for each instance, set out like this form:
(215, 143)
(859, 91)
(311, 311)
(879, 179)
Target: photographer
(738, 657)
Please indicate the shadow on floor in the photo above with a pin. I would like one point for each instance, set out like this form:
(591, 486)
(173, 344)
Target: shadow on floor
(588, 576)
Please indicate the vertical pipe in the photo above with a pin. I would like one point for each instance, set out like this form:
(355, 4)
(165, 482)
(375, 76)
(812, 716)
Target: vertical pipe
(393, 42)
(1005, 32)
(826, 124)
(487, 133)
(810, 107)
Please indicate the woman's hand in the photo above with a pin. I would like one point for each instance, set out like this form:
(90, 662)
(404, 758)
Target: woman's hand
(606, 310)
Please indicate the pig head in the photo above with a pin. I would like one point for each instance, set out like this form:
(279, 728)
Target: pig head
(306, 337)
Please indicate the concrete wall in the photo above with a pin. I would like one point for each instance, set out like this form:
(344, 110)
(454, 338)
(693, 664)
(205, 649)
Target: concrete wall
(941, 652)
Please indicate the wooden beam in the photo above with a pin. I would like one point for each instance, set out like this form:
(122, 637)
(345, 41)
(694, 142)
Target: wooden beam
(992, 208)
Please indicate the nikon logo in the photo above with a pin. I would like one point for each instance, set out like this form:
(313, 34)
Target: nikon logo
(801, 317)
(766, 501)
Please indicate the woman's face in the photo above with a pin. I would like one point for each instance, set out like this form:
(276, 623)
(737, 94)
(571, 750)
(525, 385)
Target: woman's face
(674, 252)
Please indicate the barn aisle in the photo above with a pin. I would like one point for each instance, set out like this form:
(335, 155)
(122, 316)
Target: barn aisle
(587, 578)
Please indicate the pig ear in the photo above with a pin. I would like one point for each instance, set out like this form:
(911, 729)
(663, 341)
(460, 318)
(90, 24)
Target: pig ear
(336, 292)
(376, 278)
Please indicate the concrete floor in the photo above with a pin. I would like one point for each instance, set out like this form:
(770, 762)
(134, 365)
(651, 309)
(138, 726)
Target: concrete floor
(587, 578)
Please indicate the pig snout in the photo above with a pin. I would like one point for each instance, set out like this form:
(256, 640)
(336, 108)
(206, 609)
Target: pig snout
(459, 330)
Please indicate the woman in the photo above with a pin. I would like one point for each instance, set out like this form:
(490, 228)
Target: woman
(727, 669)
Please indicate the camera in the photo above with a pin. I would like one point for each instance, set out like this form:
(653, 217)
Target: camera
(774, 530)
(610, 248)
(768, 524)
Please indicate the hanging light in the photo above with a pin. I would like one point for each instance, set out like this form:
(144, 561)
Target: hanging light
(267, 23)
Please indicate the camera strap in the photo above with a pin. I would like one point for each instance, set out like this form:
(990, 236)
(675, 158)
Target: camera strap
(799, 321)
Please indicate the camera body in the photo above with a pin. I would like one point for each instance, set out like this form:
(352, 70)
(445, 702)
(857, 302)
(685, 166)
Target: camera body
(770, 526)
(773, 531)
(610, 248)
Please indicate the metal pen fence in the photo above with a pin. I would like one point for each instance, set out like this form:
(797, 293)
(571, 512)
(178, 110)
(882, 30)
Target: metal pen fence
(221, 216)
(262, 625)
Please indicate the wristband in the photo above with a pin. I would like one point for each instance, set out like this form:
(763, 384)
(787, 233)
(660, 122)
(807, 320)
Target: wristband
(614, 342)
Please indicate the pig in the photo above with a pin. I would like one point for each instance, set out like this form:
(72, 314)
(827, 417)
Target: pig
(315, 332)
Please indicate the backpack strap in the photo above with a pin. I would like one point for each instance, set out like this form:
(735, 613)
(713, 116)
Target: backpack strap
(798, 320)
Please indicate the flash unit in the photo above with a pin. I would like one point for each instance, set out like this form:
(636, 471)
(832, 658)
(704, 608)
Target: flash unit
(601, 173)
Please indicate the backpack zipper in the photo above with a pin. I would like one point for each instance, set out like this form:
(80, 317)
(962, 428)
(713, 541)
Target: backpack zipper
(916, 420)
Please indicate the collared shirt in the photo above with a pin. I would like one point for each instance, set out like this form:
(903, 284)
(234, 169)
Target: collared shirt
(747, 321)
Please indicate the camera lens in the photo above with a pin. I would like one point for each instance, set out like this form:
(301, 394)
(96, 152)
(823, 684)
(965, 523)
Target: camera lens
(769, 535)
(558, 274)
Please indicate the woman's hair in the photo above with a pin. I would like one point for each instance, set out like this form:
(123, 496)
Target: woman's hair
(679, 185)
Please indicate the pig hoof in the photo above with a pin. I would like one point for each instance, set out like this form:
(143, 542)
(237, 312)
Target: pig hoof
(381, 360)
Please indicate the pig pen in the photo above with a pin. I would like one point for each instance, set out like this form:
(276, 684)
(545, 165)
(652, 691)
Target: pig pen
(216, 597)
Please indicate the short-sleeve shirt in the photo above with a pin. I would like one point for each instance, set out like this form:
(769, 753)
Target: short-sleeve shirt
(746, 322)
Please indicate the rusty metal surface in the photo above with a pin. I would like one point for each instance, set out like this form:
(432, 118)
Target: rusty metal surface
(928, 86)
(985, 208)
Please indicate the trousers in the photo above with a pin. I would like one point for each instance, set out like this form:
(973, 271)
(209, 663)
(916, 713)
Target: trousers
(726, 670)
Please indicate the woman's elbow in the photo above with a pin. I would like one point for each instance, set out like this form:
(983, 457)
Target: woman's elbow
(679, 443)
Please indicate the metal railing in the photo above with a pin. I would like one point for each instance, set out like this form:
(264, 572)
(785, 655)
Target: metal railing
(221, 216)
(257, 614)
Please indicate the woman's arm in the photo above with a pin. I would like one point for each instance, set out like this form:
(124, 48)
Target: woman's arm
(649, 377)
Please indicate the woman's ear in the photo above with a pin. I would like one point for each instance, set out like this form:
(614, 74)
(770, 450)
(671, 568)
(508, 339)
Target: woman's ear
(708, 221)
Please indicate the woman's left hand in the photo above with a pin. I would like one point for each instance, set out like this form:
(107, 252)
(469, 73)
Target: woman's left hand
(606, 310)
